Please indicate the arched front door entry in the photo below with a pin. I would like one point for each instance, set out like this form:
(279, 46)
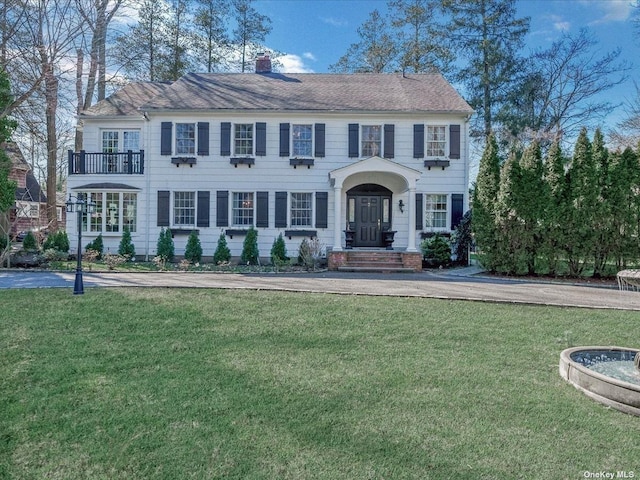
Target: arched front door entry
(369, 214)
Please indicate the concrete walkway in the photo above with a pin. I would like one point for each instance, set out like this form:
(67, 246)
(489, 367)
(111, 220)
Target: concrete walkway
(464, 284)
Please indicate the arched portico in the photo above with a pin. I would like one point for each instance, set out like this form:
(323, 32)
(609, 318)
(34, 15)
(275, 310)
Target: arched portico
(389, 176)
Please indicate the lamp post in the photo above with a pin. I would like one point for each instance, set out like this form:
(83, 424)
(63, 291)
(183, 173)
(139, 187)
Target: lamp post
(80, 205)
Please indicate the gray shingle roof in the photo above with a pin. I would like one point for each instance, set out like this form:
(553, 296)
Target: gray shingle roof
(428, 92)
(127, 100)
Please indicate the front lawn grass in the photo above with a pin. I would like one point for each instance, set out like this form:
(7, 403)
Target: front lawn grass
(175, 384)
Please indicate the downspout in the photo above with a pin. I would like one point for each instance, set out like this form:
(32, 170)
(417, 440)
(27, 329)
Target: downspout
(148, 185)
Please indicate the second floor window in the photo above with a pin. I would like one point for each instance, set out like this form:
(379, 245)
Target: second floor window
(436, 141)
(185, 138)
(120, 141)
(371, 140)
(302, 140)
(243, 139)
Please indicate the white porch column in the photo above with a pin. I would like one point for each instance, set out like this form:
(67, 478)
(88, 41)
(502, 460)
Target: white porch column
(337, 215)
(411, 211)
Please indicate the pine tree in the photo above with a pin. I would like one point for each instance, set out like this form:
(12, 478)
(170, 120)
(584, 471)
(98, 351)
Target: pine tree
(279, 251)
(250, 254)
(222, 253)
(126, 247)
(193, 250)
(165, 247)
(603, 233)
(485, 193)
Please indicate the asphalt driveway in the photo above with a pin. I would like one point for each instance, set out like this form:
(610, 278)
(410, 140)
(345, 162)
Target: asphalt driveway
(463, 284)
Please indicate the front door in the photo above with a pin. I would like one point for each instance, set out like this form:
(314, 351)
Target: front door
(368, 221)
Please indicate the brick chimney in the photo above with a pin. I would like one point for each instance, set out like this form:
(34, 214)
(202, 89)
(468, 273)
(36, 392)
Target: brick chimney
(263, 63)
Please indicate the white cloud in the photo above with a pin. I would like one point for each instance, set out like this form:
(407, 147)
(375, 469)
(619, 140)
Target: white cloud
(293, 64)
(611, 10)
(309, 56)
(335, 22)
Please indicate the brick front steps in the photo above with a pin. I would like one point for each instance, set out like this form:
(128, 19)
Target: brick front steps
(382, 261)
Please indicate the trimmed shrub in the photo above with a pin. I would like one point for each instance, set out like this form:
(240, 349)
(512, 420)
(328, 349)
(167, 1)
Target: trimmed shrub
(436, 250)
(126, 248)
(279, 251)
(57, 241)
(193, 250)
(250, 254)
(222, 253)
(29, 244)
(165, 247)
(96, 245)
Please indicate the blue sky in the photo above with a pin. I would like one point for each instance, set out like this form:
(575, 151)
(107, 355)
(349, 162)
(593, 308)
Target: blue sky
(316, 33)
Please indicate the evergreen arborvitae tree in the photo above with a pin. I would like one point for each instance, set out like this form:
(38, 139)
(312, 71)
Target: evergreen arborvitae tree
(583, 196)
(554, 230)
(250, 254)
(531, 202)
(603, 233)
(485, 193)
(193, 250)
(165, 247)
(29, 244)
(279, 251)
(512, 241)
(222, 253)
(126, 247)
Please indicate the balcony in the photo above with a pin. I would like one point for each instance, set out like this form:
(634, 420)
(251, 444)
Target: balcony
(117, 163)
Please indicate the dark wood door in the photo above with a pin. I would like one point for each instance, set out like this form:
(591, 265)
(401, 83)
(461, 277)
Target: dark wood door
(368, 221)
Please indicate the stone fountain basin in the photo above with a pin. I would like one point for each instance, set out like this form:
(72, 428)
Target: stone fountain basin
(615, 393)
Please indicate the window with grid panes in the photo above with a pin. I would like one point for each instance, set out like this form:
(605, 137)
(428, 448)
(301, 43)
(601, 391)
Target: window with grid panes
(302, 140)
(243, 139)
(242, 209)
(185, 138)
(371, 140)
(184, 209)
(436, 141)
(113, 211)
(436, 211)
(301, 209)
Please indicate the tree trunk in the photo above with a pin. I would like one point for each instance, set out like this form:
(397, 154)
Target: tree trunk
(51, 98)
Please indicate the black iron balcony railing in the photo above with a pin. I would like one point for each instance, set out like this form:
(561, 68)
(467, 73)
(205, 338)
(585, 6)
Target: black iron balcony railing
(120, 163)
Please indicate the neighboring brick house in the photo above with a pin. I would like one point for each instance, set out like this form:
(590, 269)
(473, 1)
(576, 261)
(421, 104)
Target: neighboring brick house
(30, 210)
(358, 161)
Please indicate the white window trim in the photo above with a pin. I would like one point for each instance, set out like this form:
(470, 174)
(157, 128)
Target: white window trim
(231, 208)
(120, 132)
(313, 211)
(26, 209)
(447, 213)
(253, 141)
(172, 210)
(381, 127)
(195, 138)
(313, 142)
(86, 227)
(447, 151)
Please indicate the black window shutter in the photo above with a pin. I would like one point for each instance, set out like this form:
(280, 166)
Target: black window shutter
(389, 140)
(203, 138)
(457, 205)
(165, 138)
(454, 141)
(203, 209)
(222, 208)
(163, 208)
(262, 209)
(354, 147)
(281, 209)
(284, 139)
(225, 139)
(261, 139)
(418, 142)
(319, 146)
(322, 209)
(419, 207)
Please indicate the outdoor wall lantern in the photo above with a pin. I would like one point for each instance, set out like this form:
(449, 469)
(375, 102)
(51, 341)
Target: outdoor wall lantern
(80, 205)
(401, 206)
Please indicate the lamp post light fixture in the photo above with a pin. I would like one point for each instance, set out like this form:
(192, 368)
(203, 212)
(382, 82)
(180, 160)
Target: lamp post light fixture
(81, 205)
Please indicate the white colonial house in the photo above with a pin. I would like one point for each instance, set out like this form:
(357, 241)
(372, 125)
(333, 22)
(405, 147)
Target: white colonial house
(358, 161)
